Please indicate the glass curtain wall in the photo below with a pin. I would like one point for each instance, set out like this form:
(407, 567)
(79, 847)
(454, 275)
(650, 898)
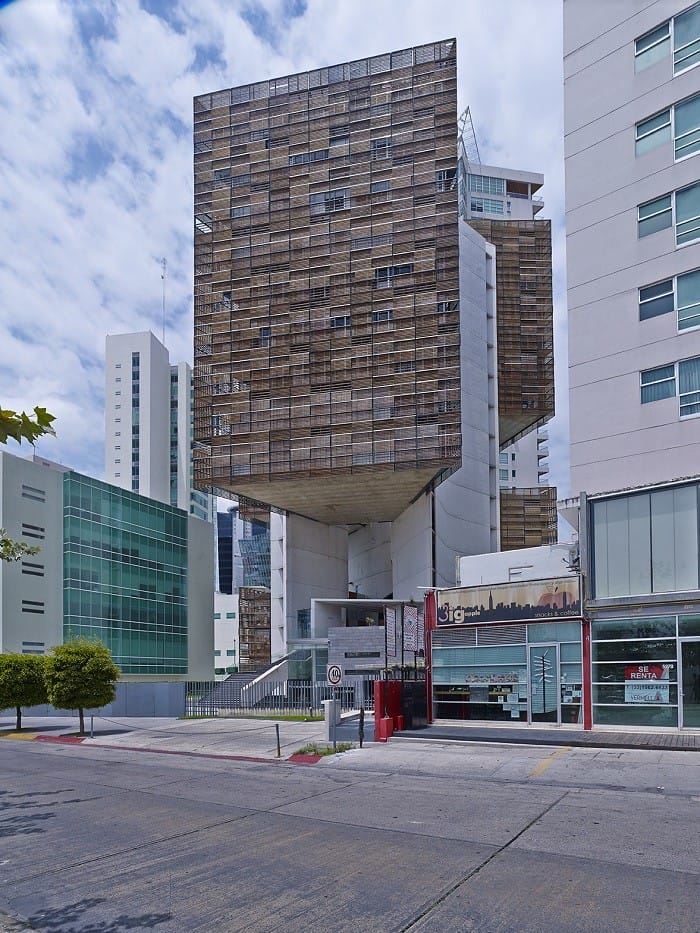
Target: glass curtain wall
(509, 673)
(646, 672)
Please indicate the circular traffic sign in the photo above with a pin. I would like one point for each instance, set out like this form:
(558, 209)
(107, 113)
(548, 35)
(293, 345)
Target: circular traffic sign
(334, 674)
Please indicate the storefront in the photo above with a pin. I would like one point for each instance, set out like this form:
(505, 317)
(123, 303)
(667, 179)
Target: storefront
(510, 653)
(646, 671)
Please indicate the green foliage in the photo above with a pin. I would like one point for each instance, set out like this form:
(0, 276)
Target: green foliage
(81, 674)
(22, 682)
(14, 550)
(323, 750)
(20, 426)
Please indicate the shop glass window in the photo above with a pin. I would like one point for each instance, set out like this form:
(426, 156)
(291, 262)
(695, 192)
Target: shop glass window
(652, 47)
(646, 543)
(689, 625)
(655, 299)
(654, 216)
(658, 383)
(653, 132)
(616, 629)
(689, 387)
(686, 39)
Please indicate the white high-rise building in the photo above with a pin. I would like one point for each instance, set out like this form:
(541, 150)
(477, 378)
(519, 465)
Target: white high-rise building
(632, 147)
(148, 422)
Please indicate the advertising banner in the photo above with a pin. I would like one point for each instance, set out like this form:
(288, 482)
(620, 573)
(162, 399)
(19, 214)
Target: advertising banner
(410, 628)
(390, 622)
(511, 602)
(647, 683)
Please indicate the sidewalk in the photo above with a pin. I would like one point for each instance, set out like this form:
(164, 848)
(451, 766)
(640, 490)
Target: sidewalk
(597, 738)
(254, 739)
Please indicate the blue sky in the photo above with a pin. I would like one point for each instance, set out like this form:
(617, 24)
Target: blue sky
(96, 162)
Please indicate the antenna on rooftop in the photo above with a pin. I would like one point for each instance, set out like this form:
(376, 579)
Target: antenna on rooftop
(163, 276)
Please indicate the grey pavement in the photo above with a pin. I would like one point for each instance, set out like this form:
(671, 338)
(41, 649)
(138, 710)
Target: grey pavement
(407, 835)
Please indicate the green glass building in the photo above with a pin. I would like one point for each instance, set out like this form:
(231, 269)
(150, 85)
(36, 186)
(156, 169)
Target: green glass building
(125, 575)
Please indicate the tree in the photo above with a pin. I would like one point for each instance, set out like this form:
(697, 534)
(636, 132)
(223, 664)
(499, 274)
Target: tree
(19, 426)
(22, 682)
(80, 675)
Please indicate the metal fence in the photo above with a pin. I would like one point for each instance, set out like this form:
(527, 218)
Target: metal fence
(228, 698)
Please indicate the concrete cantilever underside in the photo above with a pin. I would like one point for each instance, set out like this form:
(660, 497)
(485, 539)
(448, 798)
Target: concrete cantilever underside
(340, 499)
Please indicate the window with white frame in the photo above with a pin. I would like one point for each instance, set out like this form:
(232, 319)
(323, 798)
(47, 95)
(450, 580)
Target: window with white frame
(687, 214)
(686, 39)
(653, 132)
(680, 295)
(689, 387)
(680, 122)
(661, 383)
(328, 201)
(656, 299)
(683, 32)
(652, 47)
(654, 215)
(658, 383)
(486, 184)
(486, 206)
(384, 276)
(686, 127)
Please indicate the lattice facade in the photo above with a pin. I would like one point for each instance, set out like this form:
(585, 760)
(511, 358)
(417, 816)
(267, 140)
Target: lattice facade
(524, 315)
(327, 371)
(528, 517)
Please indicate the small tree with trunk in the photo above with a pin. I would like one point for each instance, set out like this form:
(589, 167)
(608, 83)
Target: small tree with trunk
(22, 682)
(81, 675)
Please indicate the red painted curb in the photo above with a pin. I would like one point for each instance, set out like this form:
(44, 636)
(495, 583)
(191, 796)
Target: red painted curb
(61, 739)
(304, 759)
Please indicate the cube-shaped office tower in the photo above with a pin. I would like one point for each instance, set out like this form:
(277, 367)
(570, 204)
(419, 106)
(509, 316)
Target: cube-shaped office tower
(327, 338)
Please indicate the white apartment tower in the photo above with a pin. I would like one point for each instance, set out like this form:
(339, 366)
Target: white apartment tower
(148, 422)
(632, 148)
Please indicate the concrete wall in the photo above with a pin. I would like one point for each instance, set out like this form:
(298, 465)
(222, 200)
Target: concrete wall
(35, 579)
(225, 630)
(343, 643)
(532, 563)
(133, 699)
(316, 565)
(200, 599)
(615, 440)
(279, 630)
(154, 414)
(369, 560)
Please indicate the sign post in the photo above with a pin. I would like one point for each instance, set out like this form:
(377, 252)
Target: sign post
(334, 677)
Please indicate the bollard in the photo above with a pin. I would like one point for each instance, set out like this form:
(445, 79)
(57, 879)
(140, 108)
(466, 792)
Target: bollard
(92, 734)
(277, 730)
(361, 732)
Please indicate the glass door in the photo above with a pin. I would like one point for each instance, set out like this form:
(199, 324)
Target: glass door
(690, 684)
(544, 683)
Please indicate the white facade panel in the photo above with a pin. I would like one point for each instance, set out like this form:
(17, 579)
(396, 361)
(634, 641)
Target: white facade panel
(31, 590)
(616, 439)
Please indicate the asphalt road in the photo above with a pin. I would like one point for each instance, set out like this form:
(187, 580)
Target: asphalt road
(404, 836)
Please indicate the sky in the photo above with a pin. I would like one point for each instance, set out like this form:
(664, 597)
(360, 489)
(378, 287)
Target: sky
(96, 163)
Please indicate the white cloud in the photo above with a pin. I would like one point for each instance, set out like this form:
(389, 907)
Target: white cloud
(96, 160)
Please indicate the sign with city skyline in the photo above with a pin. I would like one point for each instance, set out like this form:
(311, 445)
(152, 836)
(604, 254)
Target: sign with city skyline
(510, 602)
